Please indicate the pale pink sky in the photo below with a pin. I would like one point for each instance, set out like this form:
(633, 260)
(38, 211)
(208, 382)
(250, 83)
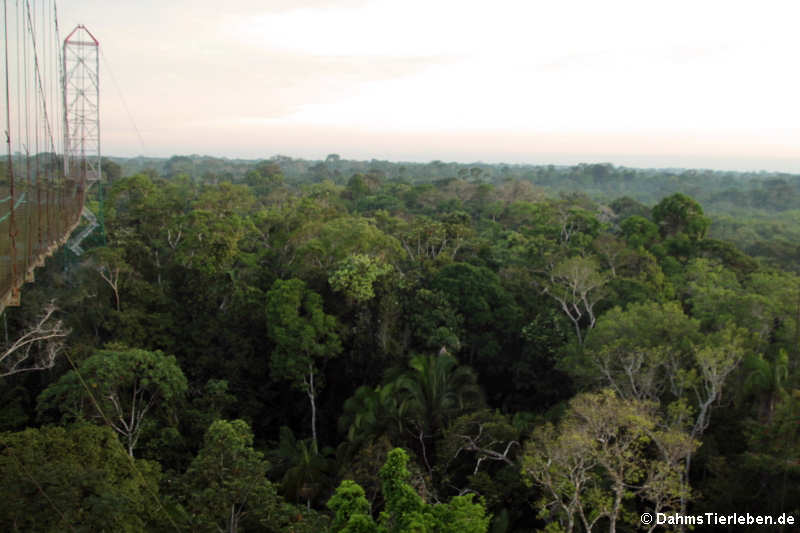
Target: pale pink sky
(682, 83)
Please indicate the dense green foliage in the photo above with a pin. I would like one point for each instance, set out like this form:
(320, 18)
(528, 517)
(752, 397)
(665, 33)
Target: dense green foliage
(288, 345)
(55, 478)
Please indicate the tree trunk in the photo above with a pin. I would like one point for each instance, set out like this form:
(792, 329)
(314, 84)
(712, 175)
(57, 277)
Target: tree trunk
(312, 399)
(697, 432)
(797, 328)
(116, 296)
(233, 525)
(685, 483)
(612, 527)
(578, 332)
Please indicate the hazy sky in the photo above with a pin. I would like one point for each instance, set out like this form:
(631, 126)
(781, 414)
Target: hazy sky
(681, 83)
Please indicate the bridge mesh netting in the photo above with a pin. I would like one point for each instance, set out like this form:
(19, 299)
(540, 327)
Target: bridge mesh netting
(37, 216)
(40, 201)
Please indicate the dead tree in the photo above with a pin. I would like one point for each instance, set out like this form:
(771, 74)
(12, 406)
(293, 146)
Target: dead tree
(37, 348)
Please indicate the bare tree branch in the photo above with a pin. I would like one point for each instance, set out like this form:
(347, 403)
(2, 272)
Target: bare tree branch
(473, 444)
(37, 348)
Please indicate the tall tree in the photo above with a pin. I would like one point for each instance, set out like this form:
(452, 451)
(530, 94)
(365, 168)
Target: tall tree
(76, 478)
(678, 214)
(655, 352)
(404, 511)
(37, 347)
(120, 386)
(110, 264)
(356, 274)
(638, 351)
(306, 472)
(576, 284)
(371, 413)
(487, 311)
(598, 458)
(227, 481)
(304, 337)
(351, 510)
(433, 391)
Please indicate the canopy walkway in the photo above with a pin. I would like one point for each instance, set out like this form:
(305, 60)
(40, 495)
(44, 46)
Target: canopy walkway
(52, 132)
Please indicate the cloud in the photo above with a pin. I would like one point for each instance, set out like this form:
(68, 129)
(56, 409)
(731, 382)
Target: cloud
(269, 85)
(195, 71)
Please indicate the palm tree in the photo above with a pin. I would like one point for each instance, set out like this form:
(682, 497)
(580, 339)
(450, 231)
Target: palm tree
(371, 413)
(766, 380)
(434, 390)
(308, 472)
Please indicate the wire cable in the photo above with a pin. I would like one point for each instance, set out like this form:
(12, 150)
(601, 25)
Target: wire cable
(40, 85)
(41, 490)
(122, 98)
(130, 457)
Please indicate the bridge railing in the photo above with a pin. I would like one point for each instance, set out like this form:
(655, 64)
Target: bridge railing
(37, 215)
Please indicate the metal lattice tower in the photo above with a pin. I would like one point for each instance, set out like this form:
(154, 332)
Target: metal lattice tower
(81, 90)
(82, 106)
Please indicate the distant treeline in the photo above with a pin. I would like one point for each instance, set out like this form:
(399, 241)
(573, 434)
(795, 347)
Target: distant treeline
(758, 211)
(716, 190)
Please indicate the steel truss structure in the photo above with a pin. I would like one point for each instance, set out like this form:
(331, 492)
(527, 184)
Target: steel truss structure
(81, 92)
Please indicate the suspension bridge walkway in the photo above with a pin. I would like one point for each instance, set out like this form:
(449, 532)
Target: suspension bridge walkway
(52, 133)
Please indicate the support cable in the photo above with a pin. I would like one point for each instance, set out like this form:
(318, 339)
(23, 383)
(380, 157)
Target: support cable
(60, 74)
(41, 490)
(12, 229)
(48, 131)
(40, 209)
(122, 99)
(21, 119)
(43, 87)
(130, 457)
